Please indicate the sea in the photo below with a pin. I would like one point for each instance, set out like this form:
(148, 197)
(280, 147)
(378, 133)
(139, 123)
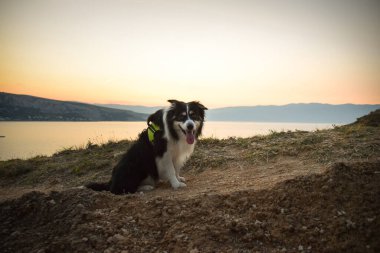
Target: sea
(22, 140)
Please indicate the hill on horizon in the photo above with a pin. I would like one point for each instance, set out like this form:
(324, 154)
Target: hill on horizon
(29, 108)
(15, 107)
(302, 112)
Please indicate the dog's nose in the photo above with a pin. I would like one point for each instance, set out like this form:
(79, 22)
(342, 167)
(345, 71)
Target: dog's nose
(190, 126)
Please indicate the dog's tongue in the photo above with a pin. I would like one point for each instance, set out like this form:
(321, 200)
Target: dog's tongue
(190, 138)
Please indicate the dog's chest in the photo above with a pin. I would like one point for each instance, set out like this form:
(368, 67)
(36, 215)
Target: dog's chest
(180, 152)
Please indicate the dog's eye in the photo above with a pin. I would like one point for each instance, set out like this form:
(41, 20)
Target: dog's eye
(181, 117)
(196, 117)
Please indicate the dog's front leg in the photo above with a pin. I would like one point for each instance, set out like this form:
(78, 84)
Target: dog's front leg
(167, 172)
(177, 166)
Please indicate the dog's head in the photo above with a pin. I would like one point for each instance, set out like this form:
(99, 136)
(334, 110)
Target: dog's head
(185, 120)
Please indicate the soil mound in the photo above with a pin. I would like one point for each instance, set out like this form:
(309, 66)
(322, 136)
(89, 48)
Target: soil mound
(337, 211)
(372, 119)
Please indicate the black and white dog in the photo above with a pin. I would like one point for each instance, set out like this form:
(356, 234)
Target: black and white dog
(160, 151)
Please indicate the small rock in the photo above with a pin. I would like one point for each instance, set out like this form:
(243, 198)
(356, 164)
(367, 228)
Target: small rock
(16, 233)
(350, 224)
(258, 223)
(300, 248)
(341, 213)
(119, 237)
(371, 219)
(110, 239)
(52, 202)
(109, 250)
(84, 239)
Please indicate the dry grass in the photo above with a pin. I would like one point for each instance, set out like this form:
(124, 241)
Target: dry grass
(77, 165)
(346, 143)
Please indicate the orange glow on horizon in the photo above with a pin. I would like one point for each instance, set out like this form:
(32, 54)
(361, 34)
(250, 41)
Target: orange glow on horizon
(222, 54)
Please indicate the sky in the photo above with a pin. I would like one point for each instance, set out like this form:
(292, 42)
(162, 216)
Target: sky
(222, 53)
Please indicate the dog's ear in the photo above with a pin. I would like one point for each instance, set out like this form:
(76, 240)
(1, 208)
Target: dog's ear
(155, 117)
(173, 101)
(200, 105)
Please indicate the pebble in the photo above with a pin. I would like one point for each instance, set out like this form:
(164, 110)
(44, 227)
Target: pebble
(16, 233)
(110, 239)
(371, 219)
(109, 250)
(119, 237)
(300, 248)
(350, 224)
(340, 213)
(258, 223)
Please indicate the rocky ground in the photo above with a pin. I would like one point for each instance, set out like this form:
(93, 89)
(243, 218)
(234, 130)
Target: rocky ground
(284, 192)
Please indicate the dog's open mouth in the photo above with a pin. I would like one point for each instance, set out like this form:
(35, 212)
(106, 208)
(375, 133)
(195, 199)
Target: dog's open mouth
(190, 136)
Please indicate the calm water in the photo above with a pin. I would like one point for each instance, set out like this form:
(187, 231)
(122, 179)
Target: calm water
(28, 139)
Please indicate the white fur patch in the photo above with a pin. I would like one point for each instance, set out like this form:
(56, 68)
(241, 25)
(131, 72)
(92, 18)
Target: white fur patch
(177, 153)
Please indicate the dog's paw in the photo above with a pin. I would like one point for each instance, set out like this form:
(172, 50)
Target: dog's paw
(145, 188)
(178, 185)
(182, 179)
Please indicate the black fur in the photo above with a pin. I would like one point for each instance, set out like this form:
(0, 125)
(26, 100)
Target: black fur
(139, 161)
(135, 165)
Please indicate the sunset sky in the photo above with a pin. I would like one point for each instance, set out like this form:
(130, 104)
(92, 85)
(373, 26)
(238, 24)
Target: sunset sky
(222, 53)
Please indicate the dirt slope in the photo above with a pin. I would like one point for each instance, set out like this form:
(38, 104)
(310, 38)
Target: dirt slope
(285, 192)
(334, 212)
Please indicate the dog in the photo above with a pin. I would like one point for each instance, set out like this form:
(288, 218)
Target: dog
(160, 151)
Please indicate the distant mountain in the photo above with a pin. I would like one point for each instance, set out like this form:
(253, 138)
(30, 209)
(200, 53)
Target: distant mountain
(23, 107)
(312, 113)
(28, 108)
(135, 108)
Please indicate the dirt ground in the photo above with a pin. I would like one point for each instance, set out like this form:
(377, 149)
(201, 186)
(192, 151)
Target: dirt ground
(287, 198)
